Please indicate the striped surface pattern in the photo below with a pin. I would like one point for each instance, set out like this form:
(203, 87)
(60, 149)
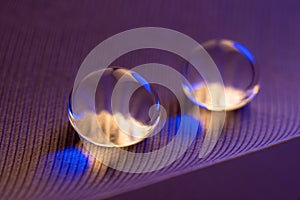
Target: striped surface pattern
(42, 44)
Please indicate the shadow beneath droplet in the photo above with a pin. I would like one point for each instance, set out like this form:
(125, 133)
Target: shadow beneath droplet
(66, 156)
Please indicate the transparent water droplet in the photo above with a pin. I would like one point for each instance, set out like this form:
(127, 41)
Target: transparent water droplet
(99, 113)
(237, 68)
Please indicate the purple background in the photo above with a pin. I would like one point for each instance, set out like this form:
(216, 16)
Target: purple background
(42, 44)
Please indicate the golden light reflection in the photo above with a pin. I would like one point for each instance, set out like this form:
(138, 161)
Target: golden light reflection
(109, 130)
(233, 98)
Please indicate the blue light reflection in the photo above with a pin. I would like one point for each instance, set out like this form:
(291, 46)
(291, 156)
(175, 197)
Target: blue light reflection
(142, 81)
(244, 51)
(69, 162)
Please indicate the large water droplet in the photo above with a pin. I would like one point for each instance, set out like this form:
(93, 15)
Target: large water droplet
(100, 114)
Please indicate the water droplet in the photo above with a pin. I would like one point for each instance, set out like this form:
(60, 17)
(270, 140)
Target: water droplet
(111, 108)
(240, 77)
